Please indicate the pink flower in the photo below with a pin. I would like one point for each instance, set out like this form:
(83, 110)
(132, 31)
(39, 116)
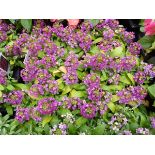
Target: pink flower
(73, 22)
(149, 26)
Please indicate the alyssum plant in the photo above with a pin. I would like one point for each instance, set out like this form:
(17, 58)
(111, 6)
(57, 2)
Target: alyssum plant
(83, 79)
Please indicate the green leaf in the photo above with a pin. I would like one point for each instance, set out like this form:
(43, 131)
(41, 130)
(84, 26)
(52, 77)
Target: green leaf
(12, 21)
(22, 86)
(1, 94)
(54, 120)
(94, 21)
(111, 87)
(79, 86)
(59, 81)
(81, 75)
(10, 87)
(125, 79)
(104, 76)
(72, 129)
(94, 50)
(143, 120)
(47, 129)
(63, 111)
(151, 90)
(75, 93)
(117, 52)
(147, 41)
(41, 54)
(80, 121)
(66, 89)
(133, 126)
(99, 130)
(112, 106)
(27, 24)
(153, 45)
(115, 98)
(97, 40)
(130, 76)
(46, 119)
(1, 87)
(9, 110)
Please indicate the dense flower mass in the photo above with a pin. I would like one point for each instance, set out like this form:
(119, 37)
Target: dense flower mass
(132, 95)
(76, 77)
(47, 105)
(88, 110)
(72, 103)
(14, 97)
(22, 114)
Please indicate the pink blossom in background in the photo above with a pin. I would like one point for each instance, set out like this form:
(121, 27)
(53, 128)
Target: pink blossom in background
(73, 22)
(149, 26)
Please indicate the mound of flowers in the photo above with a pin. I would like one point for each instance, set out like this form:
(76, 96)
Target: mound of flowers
(87, 79)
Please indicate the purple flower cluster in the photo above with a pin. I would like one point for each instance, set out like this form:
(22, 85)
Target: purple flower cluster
(95, 93)
(142, 131)
(73, 38)
(47, 61)
(101, 107)
(22, 114)
(128, 36)
(88, 110)
(60, 129)
(92, 79)
(35, 114)
(100, 62)
(14, 49)
(47, 105)
(126, 63)
(117, 122)
(71, 62)
(132, 95)
(145, 71)
(149, 70)
(140, 77)
(96, 62)
(51, 86)
(86, 26)
(3, 31)
(112, 23)
(14, 97)
(152, 119)
(28, 73)
(71, 77)
(114, 79)
(71, 65)
(36, 90)
(3, 78)
(42, 76)
(108, 34)
(135, 48)
(71, 103)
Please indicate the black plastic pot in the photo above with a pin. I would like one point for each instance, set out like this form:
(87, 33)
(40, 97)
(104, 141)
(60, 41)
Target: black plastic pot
(16, 74)
(3, 63)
